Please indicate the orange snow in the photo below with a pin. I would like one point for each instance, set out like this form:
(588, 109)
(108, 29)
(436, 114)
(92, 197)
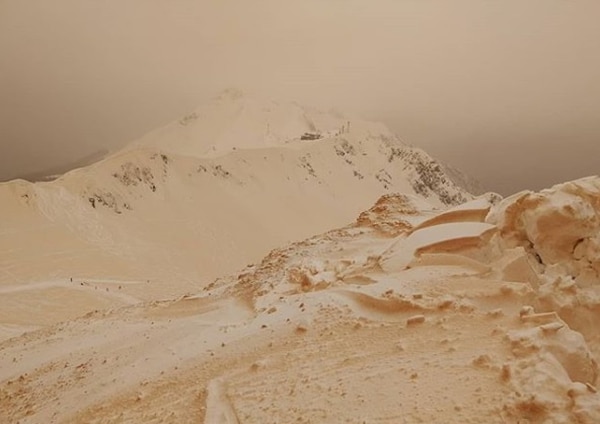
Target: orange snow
(134, 291)
(320, 331)
(162, 218)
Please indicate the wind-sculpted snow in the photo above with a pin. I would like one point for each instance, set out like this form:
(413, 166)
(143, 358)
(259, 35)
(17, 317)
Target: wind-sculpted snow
(561, 226)
(410, 314)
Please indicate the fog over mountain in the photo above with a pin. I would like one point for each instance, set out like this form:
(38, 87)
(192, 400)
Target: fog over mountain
(506, 91)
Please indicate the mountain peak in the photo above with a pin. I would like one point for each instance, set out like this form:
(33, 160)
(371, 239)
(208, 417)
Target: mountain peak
(236, 120)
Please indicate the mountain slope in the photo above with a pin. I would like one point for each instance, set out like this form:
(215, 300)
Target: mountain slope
(461, 316)
(165, 214)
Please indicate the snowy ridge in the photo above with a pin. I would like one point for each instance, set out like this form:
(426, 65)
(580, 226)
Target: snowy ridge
(234, 120)
(137, 207)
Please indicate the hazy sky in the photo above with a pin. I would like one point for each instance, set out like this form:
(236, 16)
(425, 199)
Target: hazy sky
(507, 90)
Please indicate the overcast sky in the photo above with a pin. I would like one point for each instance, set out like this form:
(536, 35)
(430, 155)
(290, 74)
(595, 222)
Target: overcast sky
(508, 91)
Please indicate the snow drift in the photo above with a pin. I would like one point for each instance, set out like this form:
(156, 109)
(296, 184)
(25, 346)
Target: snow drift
(485, 318)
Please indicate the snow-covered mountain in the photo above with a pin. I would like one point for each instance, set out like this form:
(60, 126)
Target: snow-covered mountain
(123, 297)
(204, 196)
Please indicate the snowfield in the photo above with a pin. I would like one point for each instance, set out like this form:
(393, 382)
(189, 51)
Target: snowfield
(339, 280)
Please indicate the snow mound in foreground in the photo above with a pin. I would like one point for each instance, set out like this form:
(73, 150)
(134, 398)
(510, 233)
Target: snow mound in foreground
(560, 226)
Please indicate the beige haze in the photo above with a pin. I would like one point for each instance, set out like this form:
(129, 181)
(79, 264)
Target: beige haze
(508, 91)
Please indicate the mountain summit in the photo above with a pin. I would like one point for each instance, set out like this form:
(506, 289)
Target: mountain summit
(235, 120)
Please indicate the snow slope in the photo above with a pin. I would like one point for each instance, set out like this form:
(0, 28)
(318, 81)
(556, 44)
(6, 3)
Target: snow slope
(235, 120)
(498, 331)
(199, 198)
